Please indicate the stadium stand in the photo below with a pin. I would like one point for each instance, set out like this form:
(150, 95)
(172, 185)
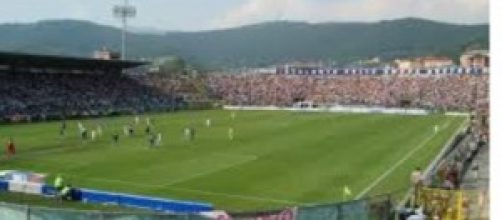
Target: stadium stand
(449, 92)
(34, 87)
(38, 96)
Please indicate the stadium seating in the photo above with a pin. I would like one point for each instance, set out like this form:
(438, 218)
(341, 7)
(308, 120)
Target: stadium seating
(445, 92)
(32, 96)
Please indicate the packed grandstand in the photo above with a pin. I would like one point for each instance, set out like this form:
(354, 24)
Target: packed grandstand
(457, 92)
(35, 95)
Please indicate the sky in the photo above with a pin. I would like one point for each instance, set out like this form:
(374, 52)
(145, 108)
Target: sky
(194, 15)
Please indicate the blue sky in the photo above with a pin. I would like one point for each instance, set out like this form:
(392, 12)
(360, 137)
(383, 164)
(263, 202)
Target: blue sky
(191, 15)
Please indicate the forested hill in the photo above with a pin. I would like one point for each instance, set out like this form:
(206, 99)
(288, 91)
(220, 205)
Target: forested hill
(254, 45)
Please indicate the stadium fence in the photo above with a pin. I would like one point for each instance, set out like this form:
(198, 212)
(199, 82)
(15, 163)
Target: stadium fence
(452, 204)
(379, 207)
(375, 207)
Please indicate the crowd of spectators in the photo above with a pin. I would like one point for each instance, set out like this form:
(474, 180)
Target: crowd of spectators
(37, 96)
(32, 96)
(190, 88)
(435, 193)
(455, 92)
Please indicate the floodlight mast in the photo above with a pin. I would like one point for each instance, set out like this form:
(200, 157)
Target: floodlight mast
(124, 12)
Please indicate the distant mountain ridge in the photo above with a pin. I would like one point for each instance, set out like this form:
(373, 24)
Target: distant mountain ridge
(253, 45)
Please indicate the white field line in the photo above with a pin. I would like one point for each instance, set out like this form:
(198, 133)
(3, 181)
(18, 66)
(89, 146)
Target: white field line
(228, 195)
(203, 192)
(398, 163)
(462, 126)
(247, 158)
(256, 198)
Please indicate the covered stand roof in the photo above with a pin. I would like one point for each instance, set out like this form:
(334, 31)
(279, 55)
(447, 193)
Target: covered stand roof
(20, 60)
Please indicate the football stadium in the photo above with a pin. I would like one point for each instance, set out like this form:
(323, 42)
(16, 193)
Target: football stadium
(107, 137)
(264, 153)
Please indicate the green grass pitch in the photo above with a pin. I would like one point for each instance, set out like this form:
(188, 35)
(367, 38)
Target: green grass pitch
(276, 159)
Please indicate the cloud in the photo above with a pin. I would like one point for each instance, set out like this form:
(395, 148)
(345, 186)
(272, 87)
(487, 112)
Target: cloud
(253, 11)
(199, 15)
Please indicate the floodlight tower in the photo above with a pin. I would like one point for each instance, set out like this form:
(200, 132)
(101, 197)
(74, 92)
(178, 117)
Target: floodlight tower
(124, 12)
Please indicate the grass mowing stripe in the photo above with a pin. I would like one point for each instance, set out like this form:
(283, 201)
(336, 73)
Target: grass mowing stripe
(211, 171)
(398, 163)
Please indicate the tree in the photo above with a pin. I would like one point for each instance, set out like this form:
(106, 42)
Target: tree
(172, 66)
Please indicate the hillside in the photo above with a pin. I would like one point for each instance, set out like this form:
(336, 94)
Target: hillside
(253, 45)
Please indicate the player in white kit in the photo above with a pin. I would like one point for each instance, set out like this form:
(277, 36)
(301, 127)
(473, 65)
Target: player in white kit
(230, 133)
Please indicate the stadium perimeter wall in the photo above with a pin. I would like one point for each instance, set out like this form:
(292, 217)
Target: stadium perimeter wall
(447, 149)
(103, 197)
(27, 212)
(343, 109)
(435, 197)
(337, 108)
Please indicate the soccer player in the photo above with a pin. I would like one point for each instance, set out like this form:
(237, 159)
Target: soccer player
(136, 120)
(186, 132)
(416, 179)
(436, 128)
(347, 193)
(58, 183)
(148, 129)
(208, 122)
(62, 130)
(230, 133)
(115, 138)
(192, 133)
(82, 130)
(99, 130)
(131, 130)
(66, 193)
(152, 140)
(80, 126)
(93, 135)
(84, 134)
(10, 148)
(126, 130)
(158, 139)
